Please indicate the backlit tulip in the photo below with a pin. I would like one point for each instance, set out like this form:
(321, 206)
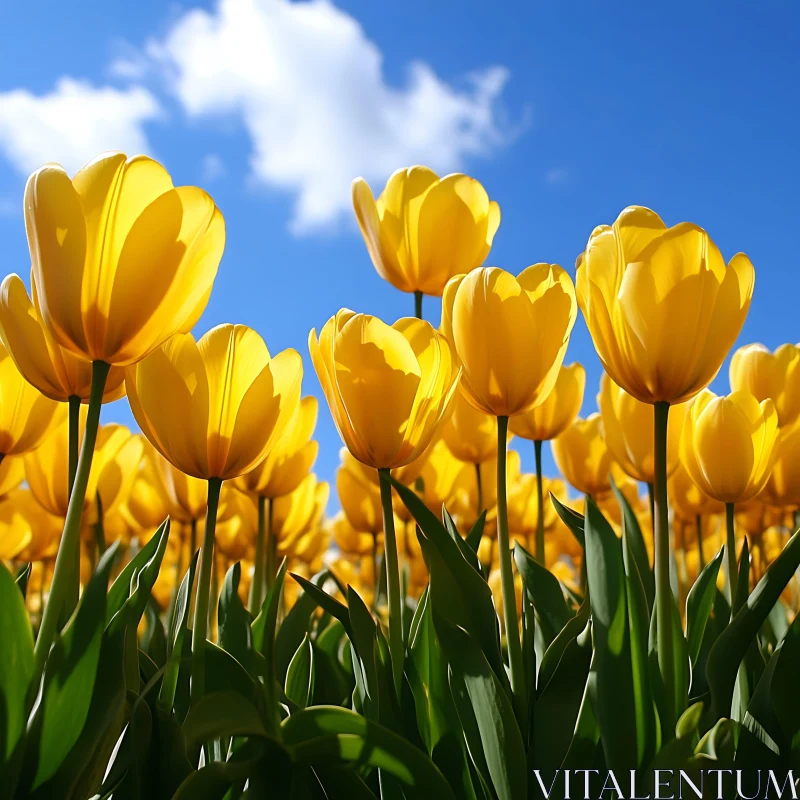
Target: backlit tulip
(423, 229)
(510, 334)
(470, 435)
(628, 428)
(438, 477)
(661, 306)
(26, 416)
(687, 499)
(728, 444)
(775, 375)
(121, 258)
(349, 540)
(359, 495)
(388, 387)
(583, 457)
(12, 473)
(557, 411)
(299, 512)
(782, 488)
(213, 408)
(523, 506)
(27, 532)
(149, 503)
(55, 371)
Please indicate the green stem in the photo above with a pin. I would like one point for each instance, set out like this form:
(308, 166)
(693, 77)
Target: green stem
(257, 584)
(664, 597)
(200, 627)
(175, 588)
(396, 649)
(374, 571)
(73, 586)
(192, 538)
(507, 574)
(700, 553)
(651, 494)
(64, 575)
(99, 529)
(537, 451)
(418, 305)
(479, 480)
(272, 545)
(730, 546)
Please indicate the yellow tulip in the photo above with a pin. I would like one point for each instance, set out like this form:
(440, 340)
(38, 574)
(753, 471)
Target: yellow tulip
(54, 371)
(583, 457)
(27, 531)
(149, 503)
(470, 435)
(728, 444)
(26, 416)
(188, 496)
(775, 375)
(388, 387)
(438, 477)
(523, 504)
(687, 499)
(782, 488)
(12, 473)
(117, 468)
(661, 306)
(214, 408)
(422, 230)
(299, 512)
(349, 540)
(359, 495)
(121, 259)
(629, 431)
(557, 411)
(510, 334)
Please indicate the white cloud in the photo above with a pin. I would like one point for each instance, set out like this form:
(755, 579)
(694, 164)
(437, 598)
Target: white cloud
(73, 123)
(309, 88)
(213, 167)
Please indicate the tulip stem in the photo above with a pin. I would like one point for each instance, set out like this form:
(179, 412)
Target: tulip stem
(257, 584)
(479, 481)
(418, 305)
(65, 577)
(664, 597)
(507, 575)
(73, 586)
(396, 649)
(200, 627)
(193, 539)
(651, 495)
(272, 545)
(700, 553)
(537, 451)
(733, 569)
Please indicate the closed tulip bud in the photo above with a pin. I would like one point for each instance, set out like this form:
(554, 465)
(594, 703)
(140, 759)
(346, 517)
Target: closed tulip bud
(214, 408)
(422, 230)
(359, 495)
(728, 444)
(555, 414)
(188, 496)
(299, 512)
(149, 502)
(27, 531)
(510, 335)
(388, 387)
(117, 468)
(782, 488)
(290, 460)
(775, 375)
(121, 259)
(628, 427)
(469, 434)
(438, 477)
(523, 504)
(26, 416)
(687, 499)
(54, 371)
(582, 456)
(662, 308)
(349, 540)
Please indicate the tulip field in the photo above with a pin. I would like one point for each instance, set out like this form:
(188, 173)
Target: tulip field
(182, 616)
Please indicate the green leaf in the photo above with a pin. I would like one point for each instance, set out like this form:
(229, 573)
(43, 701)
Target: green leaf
(22, 577)
(330, 735)
(300, 675)
(743, 578)
(784, 697)
(545, 591)
(233, 619)
(616, 707)
(637, 547)
(476, 532)
(326, 602)
(16, 667)
(485, 708)
(572, 519)
(154, 640)
(730, 648)
(221, 714)
(699, 603)
(70, 675)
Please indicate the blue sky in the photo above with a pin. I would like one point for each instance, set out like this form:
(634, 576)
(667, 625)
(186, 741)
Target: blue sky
(566, 111)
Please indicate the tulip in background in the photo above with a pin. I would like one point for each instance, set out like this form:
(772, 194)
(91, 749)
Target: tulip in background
(423, 230)
(728, 446)
(389, 388)
(497, 323)
(663, 311)
(545, 422)
(213, 408)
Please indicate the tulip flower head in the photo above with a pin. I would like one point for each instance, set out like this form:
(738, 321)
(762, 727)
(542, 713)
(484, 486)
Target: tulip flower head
(470, 434)
(728, 444)
(782, 489)
(662, 308)
(557, 411)
(582, 456)
(510, 334)
(775, 375)
(121, 258)
(423, 230)
(213, 408)
(389, 388)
